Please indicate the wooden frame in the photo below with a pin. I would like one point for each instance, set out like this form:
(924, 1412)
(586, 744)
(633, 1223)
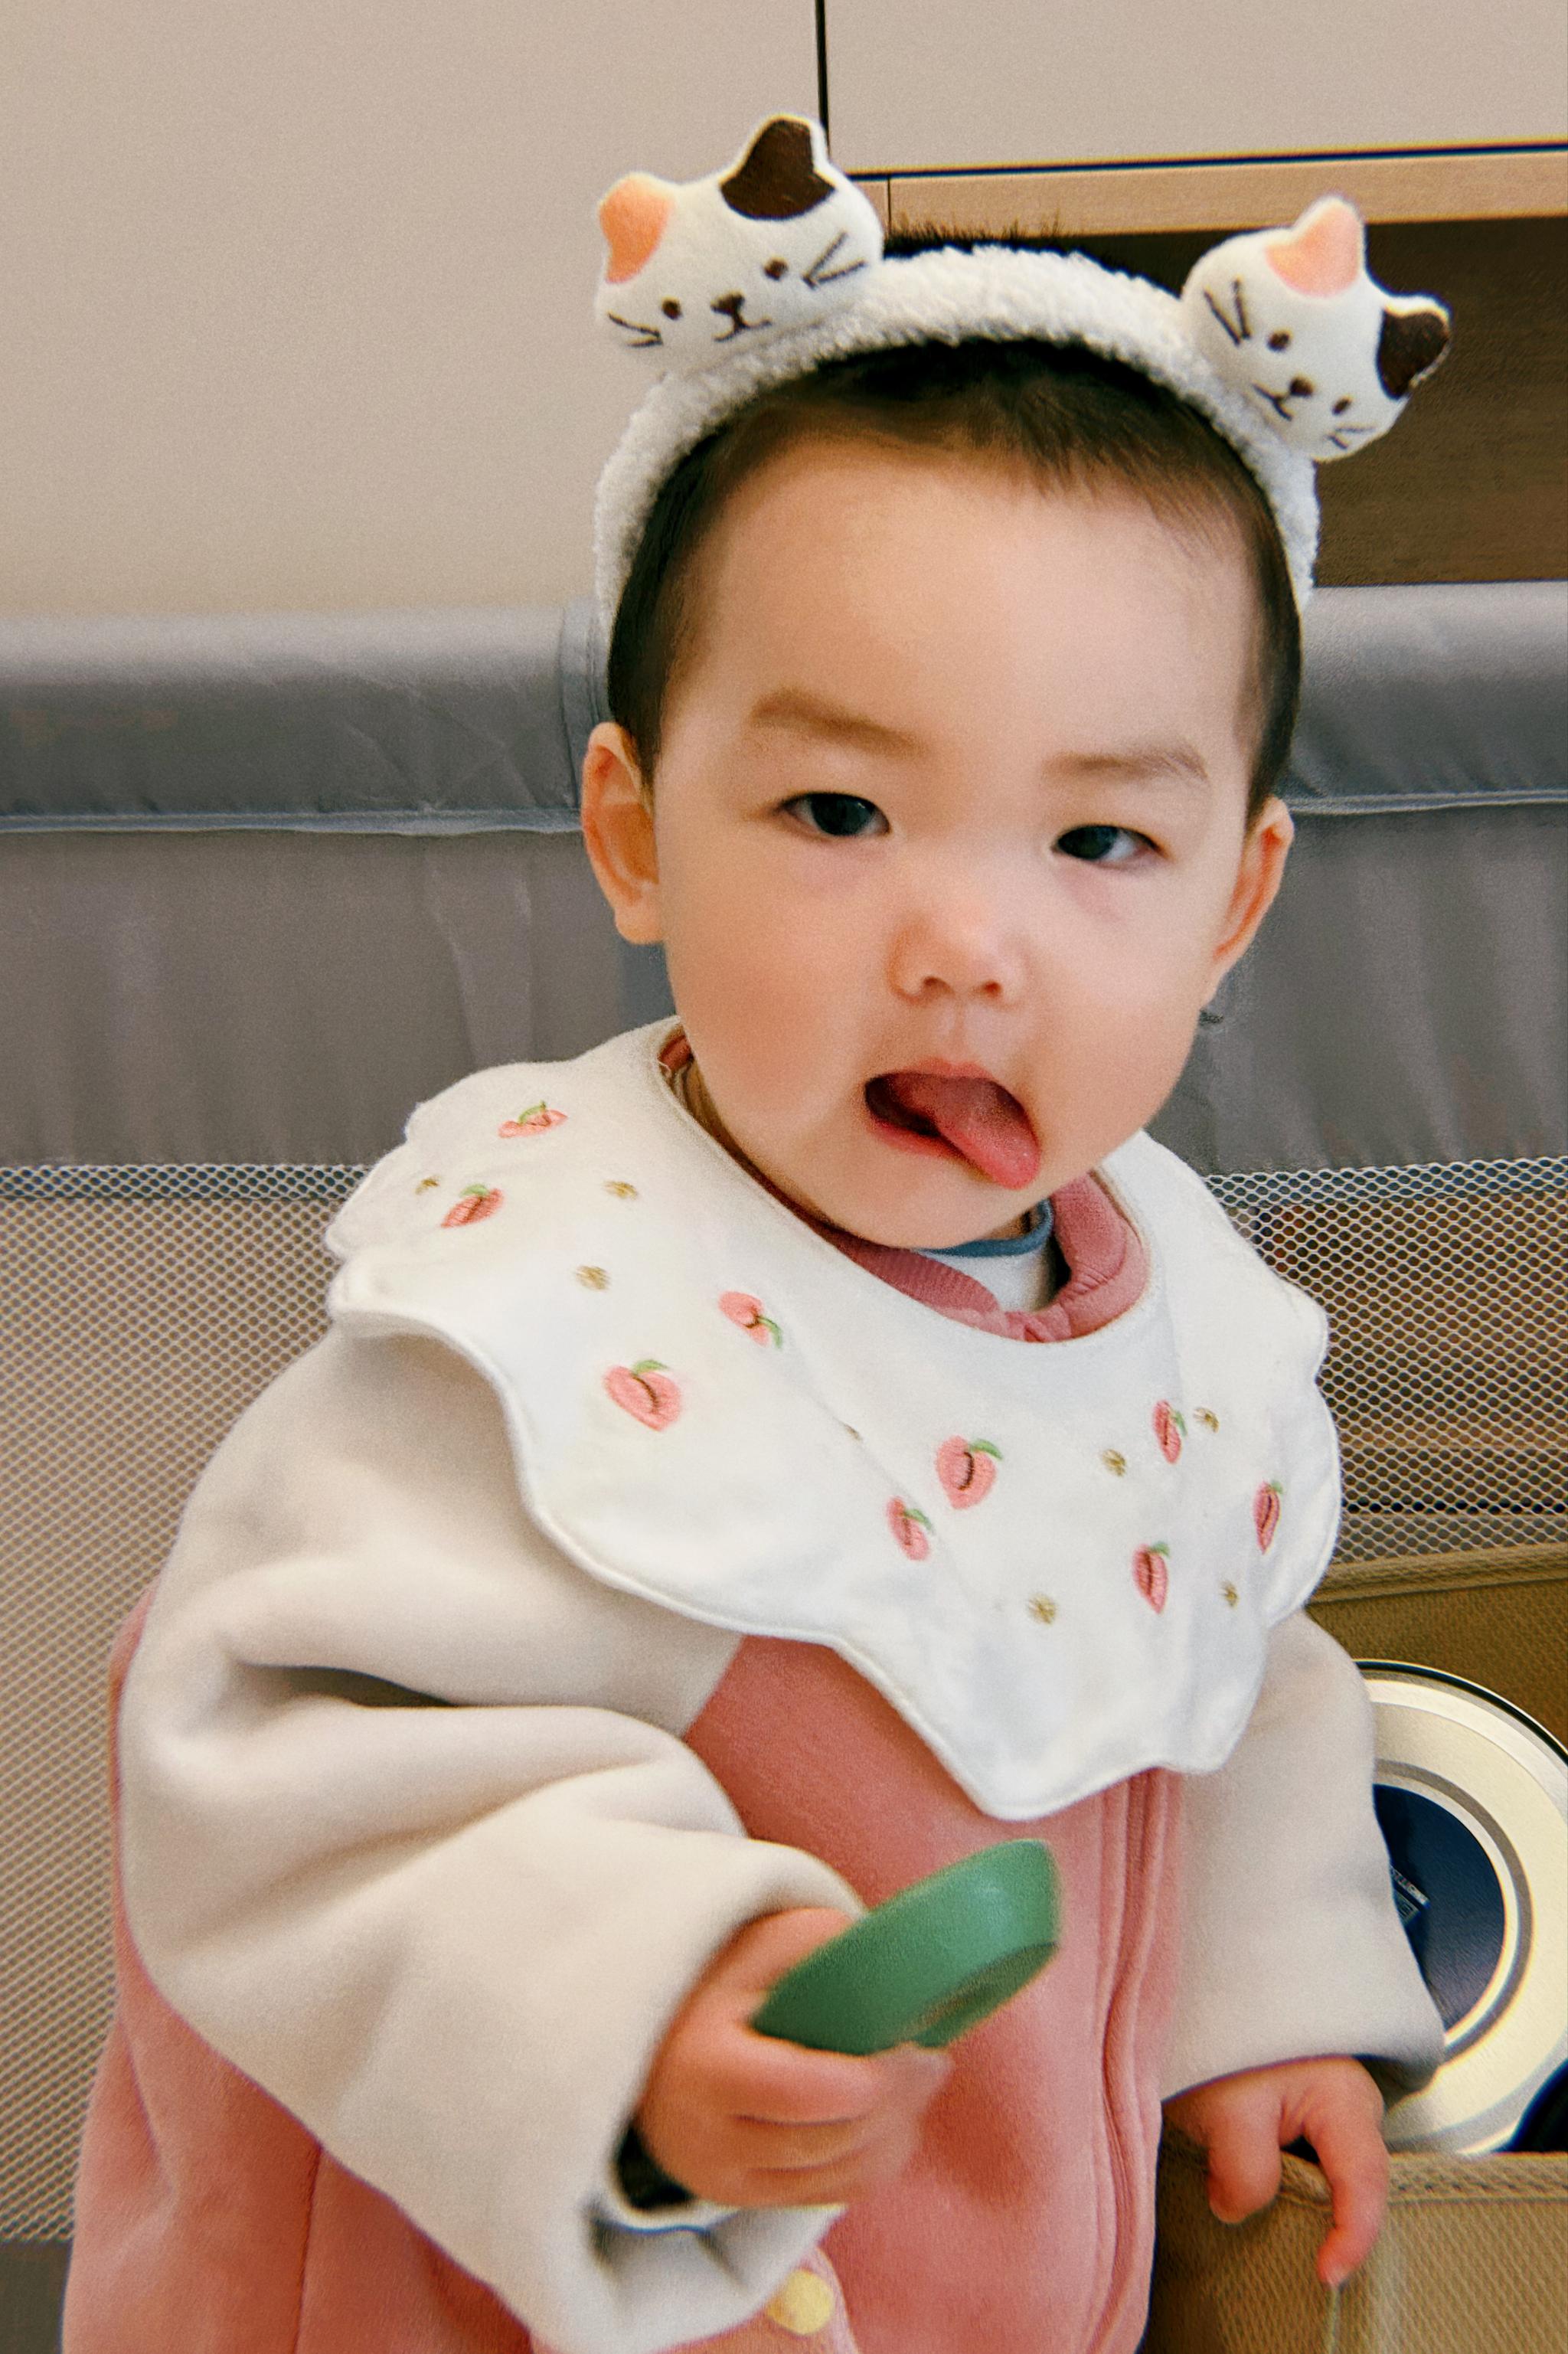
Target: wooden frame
(1107, 200)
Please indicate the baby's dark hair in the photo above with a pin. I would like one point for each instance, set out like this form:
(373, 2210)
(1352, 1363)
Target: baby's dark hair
(1069, 417)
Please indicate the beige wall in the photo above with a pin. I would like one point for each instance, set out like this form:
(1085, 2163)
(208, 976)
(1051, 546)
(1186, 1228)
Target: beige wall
(295, 295)
(927, 85)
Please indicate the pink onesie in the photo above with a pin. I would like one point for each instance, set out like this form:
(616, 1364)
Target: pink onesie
(211, 2222)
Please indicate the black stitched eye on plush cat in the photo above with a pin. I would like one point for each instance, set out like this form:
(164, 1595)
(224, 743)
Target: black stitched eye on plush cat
(1280, 340)
(776, 269)
(671, 308)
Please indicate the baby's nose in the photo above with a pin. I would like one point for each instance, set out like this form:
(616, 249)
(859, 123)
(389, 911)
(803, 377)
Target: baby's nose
(962, 948)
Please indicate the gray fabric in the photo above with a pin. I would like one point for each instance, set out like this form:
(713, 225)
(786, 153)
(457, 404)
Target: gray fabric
(1406, 1000)
(476, 720)
(1432, 697)
(283, 996)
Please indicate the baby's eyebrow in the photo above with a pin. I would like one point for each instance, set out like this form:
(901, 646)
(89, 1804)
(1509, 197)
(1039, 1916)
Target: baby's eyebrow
(800, 712)
(1153, 764)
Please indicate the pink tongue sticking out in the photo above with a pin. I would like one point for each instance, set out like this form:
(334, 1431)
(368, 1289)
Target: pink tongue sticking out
(976, 1116)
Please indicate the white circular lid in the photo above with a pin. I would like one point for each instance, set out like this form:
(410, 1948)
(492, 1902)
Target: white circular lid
(1472, 1798)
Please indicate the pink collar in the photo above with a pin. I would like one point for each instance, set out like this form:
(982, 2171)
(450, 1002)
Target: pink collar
(1105, 1272)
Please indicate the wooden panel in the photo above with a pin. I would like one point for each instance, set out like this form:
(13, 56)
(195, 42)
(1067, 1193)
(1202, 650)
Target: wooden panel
(1502, 183)
(880, 196)
(941, 85)
(1473, 483)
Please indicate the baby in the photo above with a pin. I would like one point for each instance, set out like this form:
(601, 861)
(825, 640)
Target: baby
(788, 1448)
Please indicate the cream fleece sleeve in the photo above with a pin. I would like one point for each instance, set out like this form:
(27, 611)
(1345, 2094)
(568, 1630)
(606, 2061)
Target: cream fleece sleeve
(1291, 1945)
(385, 1856)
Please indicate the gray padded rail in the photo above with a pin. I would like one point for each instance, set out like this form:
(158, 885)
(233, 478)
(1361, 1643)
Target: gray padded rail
(471, 719)
(474, 719)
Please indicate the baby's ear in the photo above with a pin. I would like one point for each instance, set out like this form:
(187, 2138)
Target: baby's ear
(618, 832)
(1258, 878)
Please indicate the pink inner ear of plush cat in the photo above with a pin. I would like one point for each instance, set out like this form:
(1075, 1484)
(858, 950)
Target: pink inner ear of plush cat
(1323, 255)
(633, 216)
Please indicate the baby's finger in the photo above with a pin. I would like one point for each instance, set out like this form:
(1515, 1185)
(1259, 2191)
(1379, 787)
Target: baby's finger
(879, 2160)
(787, 2149)
(1351, 2154)
(770, 2083)
(764, 1949)
(1243, 2162)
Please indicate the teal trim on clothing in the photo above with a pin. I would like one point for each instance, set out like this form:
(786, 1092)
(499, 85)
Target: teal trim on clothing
(1035, 1238)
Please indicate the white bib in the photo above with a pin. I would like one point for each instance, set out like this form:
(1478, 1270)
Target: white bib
(1058, 1560)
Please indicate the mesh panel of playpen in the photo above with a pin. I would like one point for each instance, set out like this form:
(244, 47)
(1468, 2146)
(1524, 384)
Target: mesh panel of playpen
(144, 1307)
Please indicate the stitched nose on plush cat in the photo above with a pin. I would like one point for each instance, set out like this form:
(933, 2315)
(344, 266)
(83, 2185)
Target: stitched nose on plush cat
(730, 306)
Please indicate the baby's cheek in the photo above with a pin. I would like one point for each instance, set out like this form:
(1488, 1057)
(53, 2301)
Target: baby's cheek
(1130, 1060)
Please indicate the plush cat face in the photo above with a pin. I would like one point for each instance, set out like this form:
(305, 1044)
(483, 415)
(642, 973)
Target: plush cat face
(1291, 318)
(778, 239)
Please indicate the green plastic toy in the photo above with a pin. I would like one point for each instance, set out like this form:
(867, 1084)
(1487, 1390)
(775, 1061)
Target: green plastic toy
(929, 1963)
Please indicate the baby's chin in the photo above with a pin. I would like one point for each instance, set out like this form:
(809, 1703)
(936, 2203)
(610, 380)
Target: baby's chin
(928, 1211)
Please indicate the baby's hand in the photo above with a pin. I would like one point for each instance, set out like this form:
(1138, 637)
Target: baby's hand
(1243, 2122)
(748, 2121)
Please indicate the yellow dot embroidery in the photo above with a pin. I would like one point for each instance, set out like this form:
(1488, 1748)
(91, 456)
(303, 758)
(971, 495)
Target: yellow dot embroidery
(1210, 1421)
(1113, 1461)
(593, 1279)
(1232, 1596)
(620, 1189)
(425, 1185)
(803, 2306)
(1041, 1607)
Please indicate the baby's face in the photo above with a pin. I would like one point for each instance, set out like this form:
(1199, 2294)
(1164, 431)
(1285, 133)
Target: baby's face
(948, 844)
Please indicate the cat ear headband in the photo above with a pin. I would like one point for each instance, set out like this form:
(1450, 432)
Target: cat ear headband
(773, 266)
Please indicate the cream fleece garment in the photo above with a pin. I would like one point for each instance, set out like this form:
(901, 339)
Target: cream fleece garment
(412, 1832)
(449, 1938)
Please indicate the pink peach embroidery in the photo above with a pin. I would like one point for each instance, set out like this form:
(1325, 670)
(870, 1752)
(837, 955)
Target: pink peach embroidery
(743, 1310)
(967, 1470)
(910, 1529)
(532, 1122)
(1169, 1430)
(1266, 1513)
(648, 1391)
(475, 1202)
(1150, 1574)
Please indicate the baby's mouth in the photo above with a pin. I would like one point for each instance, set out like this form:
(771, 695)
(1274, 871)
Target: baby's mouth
(973, 1116)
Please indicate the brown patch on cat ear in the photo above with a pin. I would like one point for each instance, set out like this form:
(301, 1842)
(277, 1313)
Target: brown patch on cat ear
(1409, 346)
(776, 178)
(633, 216)
(1322, 253)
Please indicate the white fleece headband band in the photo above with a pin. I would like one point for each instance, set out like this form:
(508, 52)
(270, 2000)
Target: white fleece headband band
(768, 269)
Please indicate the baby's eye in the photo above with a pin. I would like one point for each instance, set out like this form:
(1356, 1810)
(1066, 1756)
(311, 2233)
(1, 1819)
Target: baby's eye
(843, 816)
(1103, 845)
